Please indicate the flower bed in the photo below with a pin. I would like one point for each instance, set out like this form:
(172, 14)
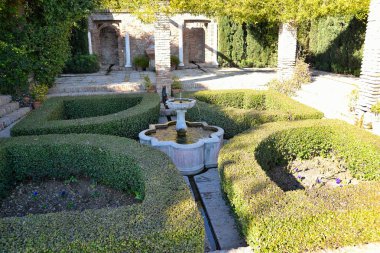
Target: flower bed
(167, 219)
(274, 220)
(238, 110)
(122, 115)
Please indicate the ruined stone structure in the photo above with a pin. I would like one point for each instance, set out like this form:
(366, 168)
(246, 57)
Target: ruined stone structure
(370, 71)
(117, 37)
(287, 47)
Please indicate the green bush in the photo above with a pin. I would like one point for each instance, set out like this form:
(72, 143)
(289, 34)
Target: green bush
(174, 61)
(376, 108)
(334, 44)
(300, 76)
(247, 45)
(238, 110)
(141, 61)
(82, 64)
(122, 114)
(167, 220)
(303, 220)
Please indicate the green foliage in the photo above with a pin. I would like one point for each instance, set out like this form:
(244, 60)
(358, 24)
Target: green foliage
(353, 99)
(82, 64)
(174, 61)
(79, 37)
(334, 44)
(304, 220)
(35, 40)
(147, 83)
(39, 92)
(109, 114)
(301, 75)
(141, 61)
(238, 110)
(176, 84)
(376, 108)
(167, 220)
(242, 45)
(14, 70)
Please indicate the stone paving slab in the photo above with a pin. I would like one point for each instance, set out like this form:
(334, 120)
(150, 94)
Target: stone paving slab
(218, 211)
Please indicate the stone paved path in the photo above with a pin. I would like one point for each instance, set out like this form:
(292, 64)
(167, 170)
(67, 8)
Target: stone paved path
(330, 94)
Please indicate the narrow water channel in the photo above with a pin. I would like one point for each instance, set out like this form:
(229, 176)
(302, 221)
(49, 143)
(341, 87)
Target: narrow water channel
(210, 233)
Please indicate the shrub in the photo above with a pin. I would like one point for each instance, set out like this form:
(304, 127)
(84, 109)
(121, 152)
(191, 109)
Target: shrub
(167, 220)
(376, 108)
(238, 110)
(300, 76)
(304, 220)
(353, 99)
(121, 114)
(147, 83)
(176, 84)
(39, 92)
(141, 61)
(174, 61)
(82, 64)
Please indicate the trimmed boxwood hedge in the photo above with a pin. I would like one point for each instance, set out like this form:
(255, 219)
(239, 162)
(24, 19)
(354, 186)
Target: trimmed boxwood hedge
(273, 220)
(238, 110)
(122, 115)
(167, 220)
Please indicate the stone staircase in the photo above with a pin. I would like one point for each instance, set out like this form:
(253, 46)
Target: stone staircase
(10, 111)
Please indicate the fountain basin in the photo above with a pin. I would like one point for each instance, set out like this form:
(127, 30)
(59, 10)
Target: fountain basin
(192, 158)
(181, 103)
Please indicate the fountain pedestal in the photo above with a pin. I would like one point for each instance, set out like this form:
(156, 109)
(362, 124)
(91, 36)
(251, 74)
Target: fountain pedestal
(181, 126)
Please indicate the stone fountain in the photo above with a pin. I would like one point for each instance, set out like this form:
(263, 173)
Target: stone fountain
(192, 146)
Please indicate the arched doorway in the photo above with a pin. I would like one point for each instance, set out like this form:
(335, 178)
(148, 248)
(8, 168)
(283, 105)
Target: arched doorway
(109, 46)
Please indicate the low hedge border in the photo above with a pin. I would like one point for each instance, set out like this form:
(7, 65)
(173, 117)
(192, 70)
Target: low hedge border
(167, 220)
(49, 119)
(238, 110)
(303, 220)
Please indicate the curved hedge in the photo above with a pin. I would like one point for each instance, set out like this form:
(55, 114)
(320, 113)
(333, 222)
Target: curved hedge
(273, 220)
(167, 220)
(122, 115)
(238, 110)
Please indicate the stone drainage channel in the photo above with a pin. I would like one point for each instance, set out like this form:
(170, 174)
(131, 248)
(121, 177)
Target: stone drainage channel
(221, 229)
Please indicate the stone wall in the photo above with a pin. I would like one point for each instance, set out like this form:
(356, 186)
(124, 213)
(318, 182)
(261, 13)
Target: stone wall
(141, 36)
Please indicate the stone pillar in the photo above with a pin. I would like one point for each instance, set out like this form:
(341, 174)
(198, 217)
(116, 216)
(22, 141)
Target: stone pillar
(89, 43)
(180, 44)
(162, 53)
(215, 45)
(287, 47)
(127, 51)
(369, 92)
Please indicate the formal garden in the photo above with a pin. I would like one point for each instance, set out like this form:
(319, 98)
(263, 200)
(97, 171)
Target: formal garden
(91, 173)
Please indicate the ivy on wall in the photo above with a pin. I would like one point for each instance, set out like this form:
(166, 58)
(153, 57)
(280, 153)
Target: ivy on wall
(35, 39)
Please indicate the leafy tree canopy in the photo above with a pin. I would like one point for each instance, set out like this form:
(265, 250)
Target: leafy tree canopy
(246, 10)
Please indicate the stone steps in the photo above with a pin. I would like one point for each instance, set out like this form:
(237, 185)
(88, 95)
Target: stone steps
(8, 108)
(8, 119)
(5, 99)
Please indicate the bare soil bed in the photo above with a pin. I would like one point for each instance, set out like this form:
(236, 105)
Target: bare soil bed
(56, 196)
(313, 173)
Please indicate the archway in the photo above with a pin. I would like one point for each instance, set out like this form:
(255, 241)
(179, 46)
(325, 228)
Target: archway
(109, 53)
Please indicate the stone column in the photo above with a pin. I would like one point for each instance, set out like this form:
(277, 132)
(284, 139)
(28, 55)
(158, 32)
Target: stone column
(180, 44)
(287, 47)
(89, 43)
(127, 51)
(162, 53)
(369, 92)
(215, 45)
